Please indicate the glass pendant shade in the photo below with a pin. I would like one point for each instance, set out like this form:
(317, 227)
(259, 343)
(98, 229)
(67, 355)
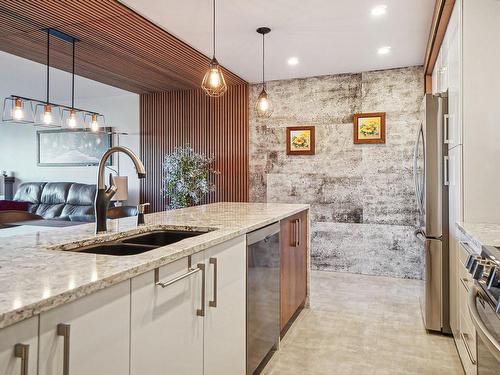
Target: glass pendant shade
(72, 119)
(94, 122)
(214, 83)
(47, 115)
(17, 110)
(264, 107)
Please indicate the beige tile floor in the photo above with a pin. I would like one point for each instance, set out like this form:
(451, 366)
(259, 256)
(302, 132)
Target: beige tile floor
(363, 325)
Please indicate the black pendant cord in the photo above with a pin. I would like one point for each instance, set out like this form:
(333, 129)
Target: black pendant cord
(213, 31)
(73, 79)
(48, 66)
(263, 62)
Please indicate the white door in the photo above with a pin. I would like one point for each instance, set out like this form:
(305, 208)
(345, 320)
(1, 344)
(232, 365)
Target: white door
(225, 321)
(167, 322)
(19, 348)
(87, 336)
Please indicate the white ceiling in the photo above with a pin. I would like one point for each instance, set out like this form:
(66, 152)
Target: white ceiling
(328, 36)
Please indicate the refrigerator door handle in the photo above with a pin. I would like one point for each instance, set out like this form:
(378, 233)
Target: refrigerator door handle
(418, 187)
(446, 128)
(446, 173)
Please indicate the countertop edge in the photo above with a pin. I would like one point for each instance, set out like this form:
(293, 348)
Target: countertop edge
(30, 310)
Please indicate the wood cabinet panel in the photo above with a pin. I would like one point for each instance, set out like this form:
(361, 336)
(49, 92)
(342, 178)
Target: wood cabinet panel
(293, 254)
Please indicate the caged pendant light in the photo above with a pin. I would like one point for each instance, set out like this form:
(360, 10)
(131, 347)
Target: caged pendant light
(214, 83)
(263, 107)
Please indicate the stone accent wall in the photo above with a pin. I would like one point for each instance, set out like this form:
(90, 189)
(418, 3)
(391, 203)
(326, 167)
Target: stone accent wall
(361, 196)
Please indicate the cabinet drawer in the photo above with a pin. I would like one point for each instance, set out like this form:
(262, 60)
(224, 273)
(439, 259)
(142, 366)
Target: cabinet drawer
(464, 251)
(24, 335)
(467, 339)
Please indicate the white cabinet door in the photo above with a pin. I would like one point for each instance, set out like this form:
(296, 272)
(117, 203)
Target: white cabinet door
(166, 329)
(225, 321)
(454, 128)
(455, 215)
(19, 348)
(89, 335)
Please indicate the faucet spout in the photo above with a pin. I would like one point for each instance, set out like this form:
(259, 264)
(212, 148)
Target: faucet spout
(103, 196)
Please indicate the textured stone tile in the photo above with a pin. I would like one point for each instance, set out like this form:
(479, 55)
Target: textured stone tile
(325, 99)
(374, 249)
(331, 198)
(343, 182)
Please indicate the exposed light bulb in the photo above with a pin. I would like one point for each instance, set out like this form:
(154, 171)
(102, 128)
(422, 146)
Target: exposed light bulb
(47, 115)
(72, 119)
(263, 104)
(214, 78)
(18, 110)
(94, 125)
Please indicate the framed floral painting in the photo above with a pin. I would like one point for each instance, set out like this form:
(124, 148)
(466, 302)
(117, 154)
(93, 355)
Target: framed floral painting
(300, 140)
(369, 128)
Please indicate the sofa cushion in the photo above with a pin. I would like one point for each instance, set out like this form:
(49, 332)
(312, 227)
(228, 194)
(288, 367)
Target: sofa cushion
(49, 211)
(71, 210)
(54, 193)
(30, 192)
(81, 195)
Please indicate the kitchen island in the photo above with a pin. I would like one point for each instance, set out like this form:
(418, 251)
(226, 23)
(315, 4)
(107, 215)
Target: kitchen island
(41, 275)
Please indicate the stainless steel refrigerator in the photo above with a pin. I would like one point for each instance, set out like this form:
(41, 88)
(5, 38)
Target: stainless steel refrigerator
(430, 169)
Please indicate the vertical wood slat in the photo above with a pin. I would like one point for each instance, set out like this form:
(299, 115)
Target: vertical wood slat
(214, 126)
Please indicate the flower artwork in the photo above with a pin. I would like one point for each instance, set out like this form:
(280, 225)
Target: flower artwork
(300, 140)
(369, 128)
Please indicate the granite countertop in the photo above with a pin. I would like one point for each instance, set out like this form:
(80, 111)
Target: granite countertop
(36, 274)
(481, 234)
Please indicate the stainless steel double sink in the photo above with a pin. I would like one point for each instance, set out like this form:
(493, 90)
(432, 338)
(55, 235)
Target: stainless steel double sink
(139, 243)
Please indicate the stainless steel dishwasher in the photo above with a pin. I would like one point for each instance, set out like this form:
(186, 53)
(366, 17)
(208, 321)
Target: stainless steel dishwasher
(263, 296)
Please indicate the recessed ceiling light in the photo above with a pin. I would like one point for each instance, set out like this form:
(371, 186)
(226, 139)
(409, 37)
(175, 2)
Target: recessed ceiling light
(293, 61)
(384, 50)
(379, 10)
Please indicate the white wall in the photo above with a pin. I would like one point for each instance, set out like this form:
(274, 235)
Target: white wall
(18, 151)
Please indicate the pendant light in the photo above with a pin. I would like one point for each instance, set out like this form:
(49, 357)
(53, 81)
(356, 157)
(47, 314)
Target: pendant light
(19, 109)
(214, 83)
(72, 118)
(46, 114)
(263, 106)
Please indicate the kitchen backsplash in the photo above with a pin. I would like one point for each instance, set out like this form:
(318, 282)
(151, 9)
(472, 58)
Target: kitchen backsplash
(362, 201)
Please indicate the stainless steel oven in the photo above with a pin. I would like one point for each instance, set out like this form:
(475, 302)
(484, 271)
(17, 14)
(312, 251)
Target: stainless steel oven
(484, 308)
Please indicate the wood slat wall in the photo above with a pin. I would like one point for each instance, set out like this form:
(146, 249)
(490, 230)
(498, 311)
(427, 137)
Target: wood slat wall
(117, 46)
(214, 126)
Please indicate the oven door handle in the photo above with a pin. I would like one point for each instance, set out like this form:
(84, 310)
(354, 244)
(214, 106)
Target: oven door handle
(488, 339)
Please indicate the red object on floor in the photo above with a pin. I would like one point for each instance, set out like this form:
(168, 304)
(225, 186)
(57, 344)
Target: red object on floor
(6, 205)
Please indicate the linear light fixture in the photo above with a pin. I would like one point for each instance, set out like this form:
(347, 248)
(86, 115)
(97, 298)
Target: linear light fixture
(23, 110)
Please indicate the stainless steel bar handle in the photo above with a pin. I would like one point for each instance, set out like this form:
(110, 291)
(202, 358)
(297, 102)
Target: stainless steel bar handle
(22, 351)
(173, 281)
(299, 234)
(446, 128)
(294, 233)
(201, 312)
(488, 339)
(446, 172)
(213, 303)
(64, 330)
(467, 348)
